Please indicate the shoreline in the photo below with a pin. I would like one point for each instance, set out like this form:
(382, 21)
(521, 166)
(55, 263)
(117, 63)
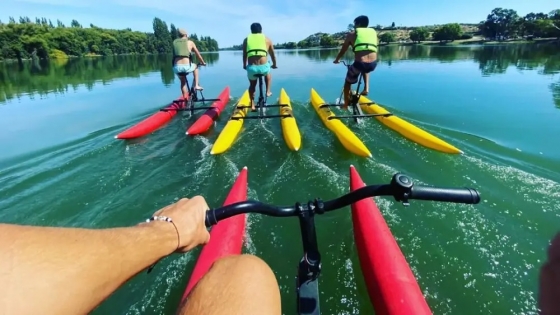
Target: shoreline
(92, 56)
(458, 42)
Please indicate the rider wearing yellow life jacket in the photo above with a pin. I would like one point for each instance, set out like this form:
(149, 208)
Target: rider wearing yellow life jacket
(364, 42)
(182, 61)
(256, 48)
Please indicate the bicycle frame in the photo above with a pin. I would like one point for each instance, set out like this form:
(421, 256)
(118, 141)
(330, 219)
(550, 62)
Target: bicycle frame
(261, 104)
(192, 97)
(357, 112)
(355, 98)
(309, 268)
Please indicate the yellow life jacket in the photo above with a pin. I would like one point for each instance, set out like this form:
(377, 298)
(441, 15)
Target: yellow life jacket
(256, 45)
(366, 39)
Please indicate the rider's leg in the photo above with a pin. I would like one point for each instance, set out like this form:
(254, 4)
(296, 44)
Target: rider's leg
(268, 78)
(351, 78)
(251, 71)
(365, 91)
(196, 82)
(252, 87)
(346, 94)
(241, 284)
(184, 92)
(368, 69)
(268, 81)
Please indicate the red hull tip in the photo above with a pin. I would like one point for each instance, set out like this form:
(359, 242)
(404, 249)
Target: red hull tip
(391, 285)
(151, 123)
(226, 237)
(205, 121)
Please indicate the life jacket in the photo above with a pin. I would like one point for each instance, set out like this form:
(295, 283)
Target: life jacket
(366, 39)
(256, 45)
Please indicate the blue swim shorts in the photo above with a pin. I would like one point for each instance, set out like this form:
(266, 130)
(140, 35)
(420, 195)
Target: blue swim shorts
(184, 68)
(253, 70)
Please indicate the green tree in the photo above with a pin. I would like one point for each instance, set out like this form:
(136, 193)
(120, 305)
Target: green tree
(42, 40)
(75, 23)
(162, 36)
(554, 17)
(327, 41)
(387, 37)
(419, 34)
(303, 44)
(290, 45)
(448, 32)
(350, 27)
(173, 31)
(500, 23)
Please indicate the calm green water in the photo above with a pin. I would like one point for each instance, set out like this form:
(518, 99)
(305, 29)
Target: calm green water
(60, 165)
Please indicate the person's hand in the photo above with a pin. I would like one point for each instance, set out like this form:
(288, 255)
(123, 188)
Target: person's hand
(274, 66)
(336, 61)
(188, 215)
(203, 63)
(549, 286)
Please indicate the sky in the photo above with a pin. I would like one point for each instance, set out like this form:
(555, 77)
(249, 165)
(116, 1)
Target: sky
(228, 21)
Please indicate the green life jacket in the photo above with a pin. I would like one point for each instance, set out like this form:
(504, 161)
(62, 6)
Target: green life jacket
(256, 45)
(181, 47)
(366, 39)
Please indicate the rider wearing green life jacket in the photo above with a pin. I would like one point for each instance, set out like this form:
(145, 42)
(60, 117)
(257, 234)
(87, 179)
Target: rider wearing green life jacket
(364, 44)
(256, 48)
(182, 60)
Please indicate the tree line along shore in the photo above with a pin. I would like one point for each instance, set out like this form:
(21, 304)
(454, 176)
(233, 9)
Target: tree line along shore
(27, 39)
(500, 26)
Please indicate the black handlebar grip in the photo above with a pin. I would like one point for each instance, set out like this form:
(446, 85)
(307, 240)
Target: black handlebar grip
(457, 195)
(210, 218)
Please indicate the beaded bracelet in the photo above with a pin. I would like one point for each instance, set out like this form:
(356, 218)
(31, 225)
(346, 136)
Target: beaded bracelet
(166, 219)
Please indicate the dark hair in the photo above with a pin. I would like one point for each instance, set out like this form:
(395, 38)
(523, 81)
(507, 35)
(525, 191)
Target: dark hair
(361, 21)
(256, 28)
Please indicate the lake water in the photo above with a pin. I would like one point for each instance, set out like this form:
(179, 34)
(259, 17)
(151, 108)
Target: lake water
(61, 166)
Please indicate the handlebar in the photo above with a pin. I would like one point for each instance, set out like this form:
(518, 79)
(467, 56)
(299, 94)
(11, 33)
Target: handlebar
(401, 188)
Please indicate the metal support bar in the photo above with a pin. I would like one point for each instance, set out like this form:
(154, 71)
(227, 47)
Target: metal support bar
(261, 117)
(361, 116)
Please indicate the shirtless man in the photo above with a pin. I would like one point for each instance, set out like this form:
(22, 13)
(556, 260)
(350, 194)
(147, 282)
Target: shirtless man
(364, 43)
(256, 48)
(182, 63)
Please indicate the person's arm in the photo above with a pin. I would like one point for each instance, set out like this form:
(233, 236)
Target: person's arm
(344, 48)
(49, 270)
(244, 53)
(271, 52)
(198, 55)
